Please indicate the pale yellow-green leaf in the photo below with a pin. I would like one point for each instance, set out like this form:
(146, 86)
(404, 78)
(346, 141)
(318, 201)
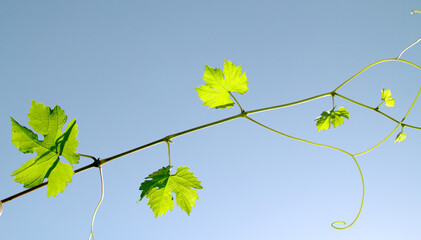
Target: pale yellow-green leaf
(219, 84)
(55, 144)
(387, 97)
(400, 137)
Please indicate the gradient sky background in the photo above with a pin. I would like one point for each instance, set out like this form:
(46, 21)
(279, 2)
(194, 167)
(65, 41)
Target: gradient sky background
(126, 70)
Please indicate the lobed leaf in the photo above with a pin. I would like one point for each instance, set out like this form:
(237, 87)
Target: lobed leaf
(161, 185)
(49, 123)
(328, 118)
(387, 98)
(219, 84)
(400, 137)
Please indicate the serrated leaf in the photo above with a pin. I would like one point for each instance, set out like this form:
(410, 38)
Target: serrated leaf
(219, 85)
(46, 164)
(161, 185)
(58, 177)
(66, 144)
(328, 118)
(387, 98)
(158, 179)
(400, 137)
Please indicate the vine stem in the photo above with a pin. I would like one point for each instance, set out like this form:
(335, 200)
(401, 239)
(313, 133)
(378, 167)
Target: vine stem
(331, 147)
(103, 161)
(376, 110)
(99, 203)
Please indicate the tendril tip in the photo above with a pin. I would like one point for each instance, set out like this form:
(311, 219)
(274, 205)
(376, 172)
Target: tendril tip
(339, 228)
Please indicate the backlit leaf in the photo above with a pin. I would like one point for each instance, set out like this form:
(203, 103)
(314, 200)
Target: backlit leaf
(161, 185)
(47, 163)
(219, 84)
(328, 118)
(400, 137)
(387, 98)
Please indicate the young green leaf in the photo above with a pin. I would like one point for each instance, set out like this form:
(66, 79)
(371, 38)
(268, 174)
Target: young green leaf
(160, 186)
(328, 118)
(219, 85)
(46, 164)
(400, 137)
(387, 98)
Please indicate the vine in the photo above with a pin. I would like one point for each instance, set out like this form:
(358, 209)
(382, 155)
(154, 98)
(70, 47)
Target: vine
(217, 93)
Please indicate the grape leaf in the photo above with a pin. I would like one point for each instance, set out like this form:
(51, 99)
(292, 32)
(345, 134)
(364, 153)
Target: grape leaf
(49, 123)
(215, 94)
(328, 118)
(387, 98)
(400, 137)
(162, 184)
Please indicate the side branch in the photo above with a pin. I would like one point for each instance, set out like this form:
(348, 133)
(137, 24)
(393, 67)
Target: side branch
(241, 115)
(376, 110)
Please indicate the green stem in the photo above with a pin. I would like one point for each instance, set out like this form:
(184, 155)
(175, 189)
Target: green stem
(79, 170)
(288, 104)
(242, 110)
(106, 160)
(378, 106)
(373, 64)
(164, 139)
(376, 110)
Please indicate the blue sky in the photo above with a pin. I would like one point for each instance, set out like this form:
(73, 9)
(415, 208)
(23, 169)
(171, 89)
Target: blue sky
(126, 70)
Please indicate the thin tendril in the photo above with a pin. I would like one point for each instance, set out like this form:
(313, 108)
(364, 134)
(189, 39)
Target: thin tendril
(399, 124)
(362, 201)
(328, 146)
(298, 139)
(99, 203)
(419, 39)
(371, 65)
(378, 144)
